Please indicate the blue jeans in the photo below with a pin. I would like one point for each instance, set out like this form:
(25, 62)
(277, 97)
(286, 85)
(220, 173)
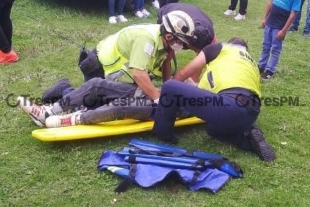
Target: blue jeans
(296, 21)
(226, 118)
(307, 26)
(120, 7)
(272, 48)
(138, 5)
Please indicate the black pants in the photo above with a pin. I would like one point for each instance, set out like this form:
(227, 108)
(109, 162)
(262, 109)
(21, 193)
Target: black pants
(6, 29)
(164, 2)
(242, 7)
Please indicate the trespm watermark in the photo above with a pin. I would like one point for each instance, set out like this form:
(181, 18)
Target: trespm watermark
(281, 101)
(166, 101)
(86, 101)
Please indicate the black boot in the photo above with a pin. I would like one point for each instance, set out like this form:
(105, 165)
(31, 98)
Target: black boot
(260, 146)
(54, 93)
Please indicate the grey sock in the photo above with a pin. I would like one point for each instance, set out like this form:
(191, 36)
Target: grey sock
(81, 119)
(56, 109)
(78, 119)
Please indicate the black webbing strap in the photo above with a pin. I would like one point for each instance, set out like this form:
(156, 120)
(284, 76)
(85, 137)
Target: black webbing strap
(201, 162)
(216, 163)
(123, 186)
(237, 168)
(131, 159)
(189, 153)
(133, 171)
(149, 152)
(126, 183)
(195, 177)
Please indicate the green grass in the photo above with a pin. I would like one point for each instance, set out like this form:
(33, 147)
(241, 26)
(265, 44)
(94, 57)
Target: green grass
(34, 173)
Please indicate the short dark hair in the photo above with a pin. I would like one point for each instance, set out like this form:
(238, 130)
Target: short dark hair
(238, 41)
(163, 30)
(202, 37)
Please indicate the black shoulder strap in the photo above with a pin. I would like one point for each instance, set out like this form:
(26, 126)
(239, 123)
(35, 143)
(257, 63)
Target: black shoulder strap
(123, 186)
(126, 183)
(195, 177)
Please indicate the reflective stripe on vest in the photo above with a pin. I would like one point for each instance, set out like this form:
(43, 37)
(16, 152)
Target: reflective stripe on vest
(233, 68)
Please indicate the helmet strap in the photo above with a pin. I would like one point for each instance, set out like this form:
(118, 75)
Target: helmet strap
(169, 24)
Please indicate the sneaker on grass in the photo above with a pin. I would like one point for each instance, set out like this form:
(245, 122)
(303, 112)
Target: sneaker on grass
(229, 12)
(7, 58)
(122, 18)
(267, 75)
(38, 113)
(239, 17)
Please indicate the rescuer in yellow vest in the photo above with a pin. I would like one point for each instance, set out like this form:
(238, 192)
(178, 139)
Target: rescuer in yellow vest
(227, 97)
(132, 55)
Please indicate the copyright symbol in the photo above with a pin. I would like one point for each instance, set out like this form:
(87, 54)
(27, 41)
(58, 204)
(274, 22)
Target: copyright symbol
(165, 103)
(11, 103)
(240, 103)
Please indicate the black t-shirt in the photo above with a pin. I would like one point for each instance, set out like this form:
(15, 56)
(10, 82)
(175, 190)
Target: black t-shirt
(277, 17)
(198, 16)
(212, 51)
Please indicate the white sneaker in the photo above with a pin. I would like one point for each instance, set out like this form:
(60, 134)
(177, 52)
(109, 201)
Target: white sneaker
(121, 18)
(63, 120)
(112, 20)
(239, 17)
(37, 113)
(229, 12)
(140, 14)
(155, 4)
(146, 12)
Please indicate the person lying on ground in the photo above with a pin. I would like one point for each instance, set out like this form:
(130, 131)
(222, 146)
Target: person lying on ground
(139, 108)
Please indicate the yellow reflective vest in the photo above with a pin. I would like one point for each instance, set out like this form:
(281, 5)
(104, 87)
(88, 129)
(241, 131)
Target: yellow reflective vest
(113, 60)
(232, 68)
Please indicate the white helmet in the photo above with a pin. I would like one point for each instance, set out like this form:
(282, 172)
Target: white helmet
(180, 24)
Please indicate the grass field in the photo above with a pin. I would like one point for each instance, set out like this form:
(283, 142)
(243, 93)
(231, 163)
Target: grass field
(33, 173)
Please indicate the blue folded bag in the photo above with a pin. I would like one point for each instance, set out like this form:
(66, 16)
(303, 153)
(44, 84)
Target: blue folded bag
(146, 163)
